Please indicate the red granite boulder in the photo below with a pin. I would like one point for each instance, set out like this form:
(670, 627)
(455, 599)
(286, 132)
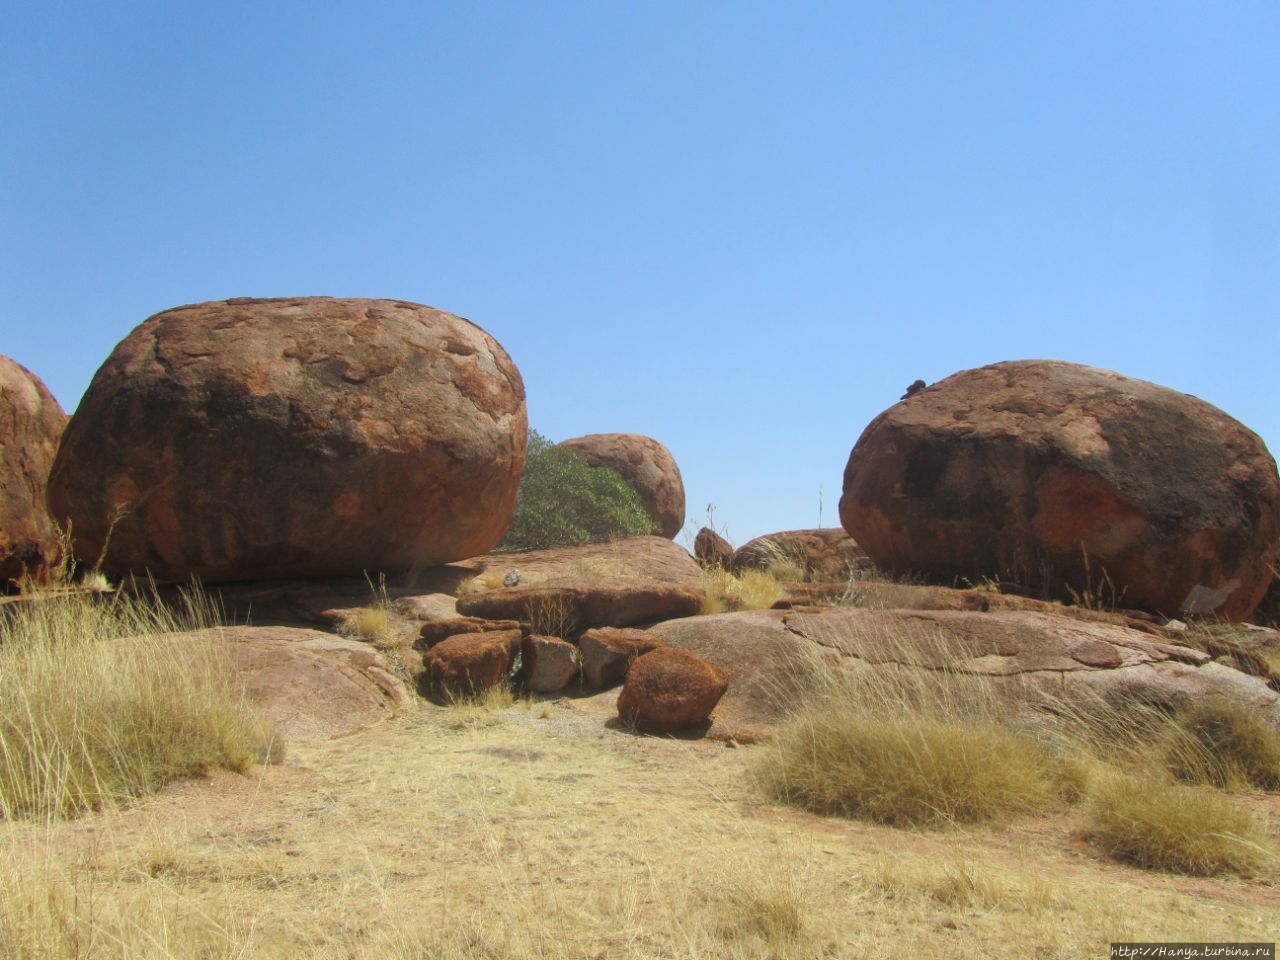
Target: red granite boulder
(670, 689)
(647, 466)
(712, 550)
(309, 437)
(31, 421)
(823, 555)
(470, 663)
(608, 652)
(1057, 479)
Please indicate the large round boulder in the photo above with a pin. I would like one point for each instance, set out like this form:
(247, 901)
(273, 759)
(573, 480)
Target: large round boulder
(308, 437)
(647, 466)
(31, 421)
(1064, 479)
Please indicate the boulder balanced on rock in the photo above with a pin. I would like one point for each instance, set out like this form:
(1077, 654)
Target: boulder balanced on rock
(309, 437)
(1057, 479)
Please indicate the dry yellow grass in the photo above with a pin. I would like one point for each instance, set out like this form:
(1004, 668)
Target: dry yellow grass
(508, 834)
(723, 591)
(98, 703)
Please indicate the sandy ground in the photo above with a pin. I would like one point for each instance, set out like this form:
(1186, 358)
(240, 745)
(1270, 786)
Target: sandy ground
(540, 830)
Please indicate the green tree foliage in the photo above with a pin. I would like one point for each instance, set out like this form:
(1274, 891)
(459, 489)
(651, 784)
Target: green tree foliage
(565, 501)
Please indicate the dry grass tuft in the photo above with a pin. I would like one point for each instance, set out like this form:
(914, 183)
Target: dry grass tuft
(723, 592)
(912, 747)
(97, 704)
(1181, 829)
(1220, 743)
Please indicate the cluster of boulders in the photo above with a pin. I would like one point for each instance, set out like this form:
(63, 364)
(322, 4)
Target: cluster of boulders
(290, 440)
(664, 688)
(285, 438)
(822, 554)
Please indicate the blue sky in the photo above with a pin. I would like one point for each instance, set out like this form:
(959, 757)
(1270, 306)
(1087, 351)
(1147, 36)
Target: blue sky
(739, 227)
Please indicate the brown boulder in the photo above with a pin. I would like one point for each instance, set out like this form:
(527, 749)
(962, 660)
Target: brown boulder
(573, 605)
(30, 424)
(647, 466)
(437, 631)
(607, 653)
(470, 663)
(713, 550)
(669, 689)
(551, 664)
(826, 554)
(1054, 477)
(309, 437)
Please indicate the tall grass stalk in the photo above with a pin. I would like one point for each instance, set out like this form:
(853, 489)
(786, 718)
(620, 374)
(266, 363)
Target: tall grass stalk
(99, 701)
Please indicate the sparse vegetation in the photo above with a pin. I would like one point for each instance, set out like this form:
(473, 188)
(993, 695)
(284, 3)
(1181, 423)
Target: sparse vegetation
(565, 501)
(909, 747)
(97, 705)
(723, 591)
(1222, 744)
(1184, 829)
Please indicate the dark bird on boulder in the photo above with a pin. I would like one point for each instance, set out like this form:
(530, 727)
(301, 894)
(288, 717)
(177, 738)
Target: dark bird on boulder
(914, 389)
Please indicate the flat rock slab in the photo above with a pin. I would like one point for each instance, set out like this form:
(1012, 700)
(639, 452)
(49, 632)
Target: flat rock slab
(654, 558)
(313, 685)
(771, 657)
(583, 604)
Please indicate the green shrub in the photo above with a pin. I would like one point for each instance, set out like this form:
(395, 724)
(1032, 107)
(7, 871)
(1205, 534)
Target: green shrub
(1182, 829)
(565, 501)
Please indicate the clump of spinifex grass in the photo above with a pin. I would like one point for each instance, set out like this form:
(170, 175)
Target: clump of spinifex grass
(97, 704)
(1182, 829)
(911, 747)
(1221, 743)
(724, 591)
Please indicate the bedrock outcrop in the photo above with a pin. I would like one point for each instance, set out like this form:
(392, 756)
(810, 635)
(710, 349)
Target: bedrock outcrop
(1057, 478)
(777, 660)
(307, 437)
(31, 421)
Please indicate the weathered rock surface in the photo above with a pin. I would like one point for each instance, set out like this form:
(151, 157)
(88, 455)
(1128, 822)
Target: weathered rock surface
(669, 689)
(1050, 475)
(582, 604)
(435, 631)
(31, 422)
(773, 659)
(826, 554)
(552, 664)
(645, 464)
(653, 558)
(712, 550)
(308, 437)
(607, 653)
(427, 607)
(470, 663)
(315, 686)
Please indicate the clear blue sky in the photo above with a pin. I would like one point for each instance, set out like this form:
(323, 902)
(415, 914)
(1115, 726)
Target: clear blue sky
(739, 227)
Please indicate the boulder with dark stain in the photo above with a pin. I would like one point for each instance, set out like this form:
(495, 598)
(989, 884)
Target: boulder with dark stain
(31, 421)
(1062, 480)
(310, 437)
